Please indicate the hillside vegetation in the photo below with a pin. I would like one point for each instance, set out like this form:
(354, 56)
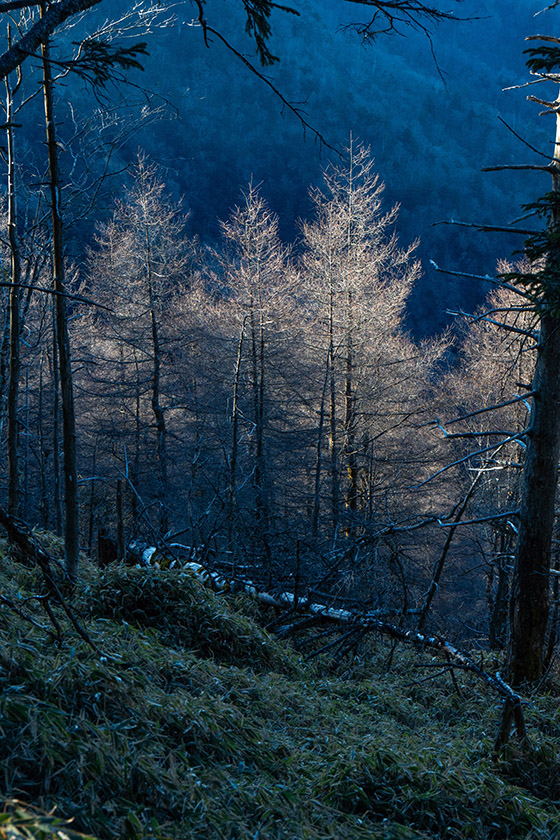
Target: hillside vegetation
(189, 720)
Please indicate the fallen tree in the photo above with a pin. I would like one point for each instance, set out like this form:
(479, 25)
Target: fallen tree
(372, 621)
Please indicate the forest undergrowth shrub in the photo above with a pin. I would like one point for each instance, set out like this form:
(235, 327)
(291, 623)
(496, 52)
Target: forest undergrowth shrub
(185, 613)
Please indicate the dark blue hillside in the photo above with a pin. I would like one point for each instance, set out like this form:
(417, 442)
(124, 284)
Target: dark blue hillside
(431, 127)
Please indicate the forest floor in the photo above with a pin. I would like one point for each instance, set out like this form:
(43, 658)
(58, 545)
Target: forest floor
(190, 721)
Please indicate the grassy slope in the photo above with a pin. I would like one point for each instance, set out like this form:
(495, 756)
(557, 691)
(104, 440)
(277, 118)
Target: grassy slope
(194, 723)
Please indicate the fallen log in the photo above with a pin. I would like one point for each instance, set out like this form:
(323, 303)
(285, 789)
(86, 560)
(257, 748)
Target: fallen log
(372, 621)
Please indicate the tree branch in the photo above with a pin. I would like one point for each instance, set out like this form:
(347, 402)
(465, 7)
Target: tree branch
(486, 228)
(519, 167)
(518, 438)
(489, 408)
(40, 31)
(207, 29)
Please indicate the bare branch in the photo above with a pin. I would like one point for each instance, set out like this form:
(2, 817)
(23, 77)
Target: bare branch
(550, 38)
(486, 228)
(80, 298)
(514, 438)
(507, 327)
(443, 556)
(518, 167)
(491, 408)
(486, 277)
(480, 519)
(522, 139)
(209, 30)
(466, 435)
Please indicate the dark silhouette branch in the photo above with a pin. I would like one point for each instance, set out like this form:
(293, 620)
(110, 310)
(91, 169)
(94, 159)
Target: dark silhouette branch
(40, 31)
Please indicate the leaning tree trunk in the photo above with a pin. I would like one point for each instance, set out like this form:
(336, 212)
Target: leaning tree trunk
(157, 408)
(72, 532)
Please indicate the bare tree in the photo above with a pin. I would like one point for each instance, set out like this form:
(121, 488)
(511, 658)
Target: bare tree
(372, 375)
(257, 277)
(139, 264)
(15, 291)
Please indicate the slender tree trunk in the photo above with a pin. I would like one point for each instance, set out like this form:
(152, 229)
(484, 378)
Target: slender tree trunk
(72, 531)
(13, 381)
(351, 496)
(43, 453)
(120, 522)
(319, 461)
(56, 433)
(333, 438)
(4, 356)
(264, 509)
(159, 415)
(257, 414)
(26, 461)
(555, 613)
(135, 471)
(161, 430)
(438, 569)
(498, 599)
(231, 492)
(91, 517)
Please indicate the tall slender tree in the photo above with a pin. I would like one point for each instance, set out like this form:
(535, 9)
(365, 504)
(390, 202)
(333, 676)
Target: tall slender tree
(71, 506)
(15, 292)
(529, 610)
(255, 271)
(358, 280)
(140, 262)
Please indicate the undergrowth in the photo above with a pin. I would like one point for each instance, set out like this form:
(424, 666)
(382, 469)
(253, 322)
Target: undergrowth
(191, 722)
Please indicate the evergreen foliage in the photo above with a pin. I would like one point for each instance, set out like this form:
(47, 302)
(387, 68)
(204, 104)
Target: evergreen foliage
(543, 59)
(542, 249)
(97, 60)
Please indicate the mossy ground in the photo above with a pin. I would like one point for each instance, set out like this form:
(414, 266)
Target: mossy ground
(192, 722)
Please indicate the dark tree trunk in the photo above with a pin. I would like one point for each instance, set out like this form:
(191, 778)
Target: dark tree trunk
(530, 592)
(157, 408)
(120, 522)
(71, 537)
(13, 381)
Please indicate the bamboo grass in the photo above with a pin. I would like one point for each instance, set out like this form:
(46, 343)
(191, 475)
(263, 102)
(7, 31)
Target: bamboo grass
(195, 724)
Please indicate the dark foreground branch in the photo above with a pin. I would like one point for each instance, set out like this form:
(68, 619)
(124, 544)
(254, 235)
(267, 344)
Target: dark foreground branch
(19, 535)
(40, 32)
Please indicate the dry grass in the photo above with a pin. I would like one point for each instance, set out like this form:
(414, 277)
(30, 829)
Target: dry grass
(194, 723)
